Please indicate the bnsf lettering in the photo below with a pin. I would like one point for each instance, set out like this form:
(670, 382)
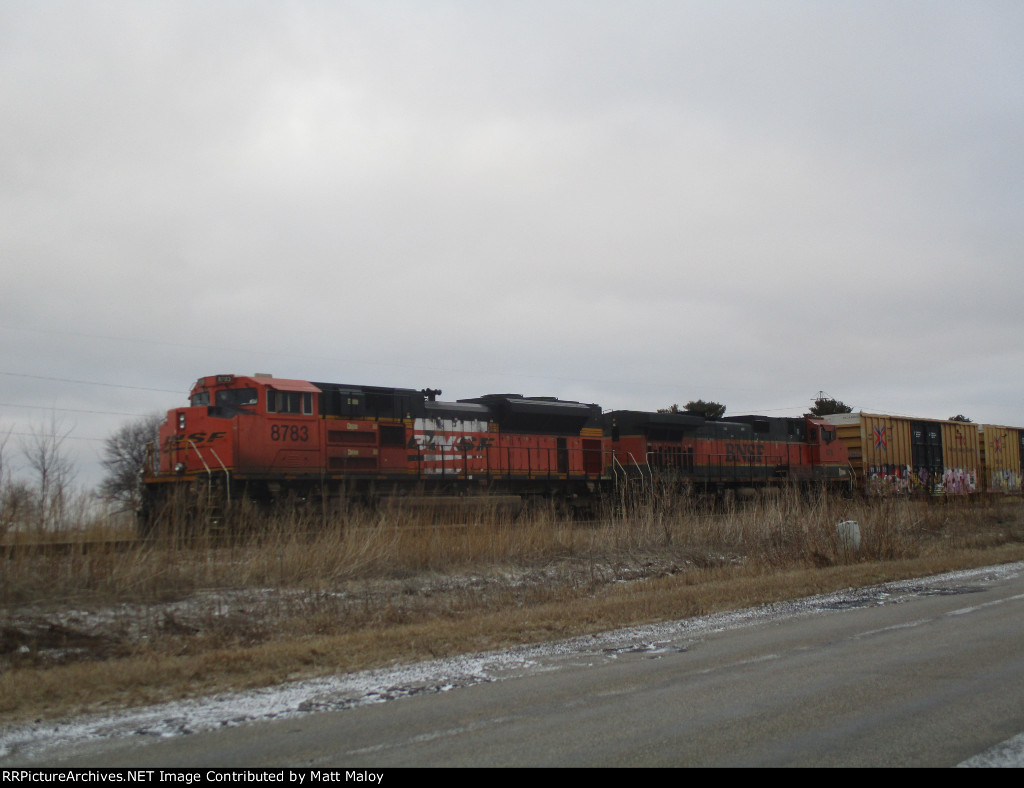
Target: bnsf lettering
(748, 453)
(195, 437)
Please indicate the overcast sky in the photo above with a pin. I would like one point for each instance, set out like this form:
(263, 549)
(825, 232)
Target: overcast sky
(630, 203)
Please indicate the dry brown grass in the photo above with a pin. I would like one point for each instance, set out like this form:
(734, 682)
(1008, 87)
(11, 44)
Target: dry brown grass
(104, 627)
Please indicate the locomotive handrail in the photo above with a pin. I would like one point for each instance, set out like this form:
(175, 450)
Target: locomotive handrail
(507, 462)
(209, 471)
(640, 470)
(227, 475)
(200, 456)
(616, 467)
(616, 464)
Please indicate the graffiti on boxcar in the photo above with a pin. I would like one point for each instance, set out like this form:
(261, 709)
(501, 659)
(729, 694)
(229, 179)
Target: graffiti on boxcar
(897, 479)
(1004, 480)
(889, 479)
(959, 481)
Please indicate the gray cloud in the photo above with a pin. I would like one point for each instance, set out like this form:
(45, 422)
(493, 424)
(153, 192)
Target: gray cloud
(634, 204)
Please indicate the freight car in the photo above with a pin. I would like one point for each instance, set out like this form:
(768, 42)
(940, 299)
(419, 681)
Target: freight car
(1002, 458)
(901, 455)
(269, 439)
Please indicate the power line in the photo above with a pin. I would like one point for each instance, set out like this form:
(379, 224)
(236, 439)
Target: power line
(71, 410)
(89, 383)
(53, 437)
(291, 355)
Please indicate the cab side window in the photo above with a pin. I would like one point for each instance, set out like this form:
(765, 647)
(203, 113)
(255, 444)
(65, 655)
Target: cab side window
(289, 402)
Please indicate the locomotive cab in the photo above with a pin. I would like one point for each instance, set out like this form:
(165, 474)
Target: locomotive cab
(270, 418)
(195, 436)
(828, 455)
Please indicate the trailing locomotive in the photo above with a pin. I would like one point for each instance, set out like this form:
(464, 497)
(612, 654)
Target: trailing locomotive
(738, 453)
(268, 439)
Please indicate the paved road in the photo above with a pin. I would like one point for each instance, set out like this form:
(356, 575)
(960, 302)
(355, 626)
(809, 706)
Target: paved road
(928, 677)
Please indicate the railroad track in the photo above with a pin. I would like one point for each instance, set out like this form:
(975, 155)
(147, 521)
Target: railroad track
(71, 547)
(84, 546)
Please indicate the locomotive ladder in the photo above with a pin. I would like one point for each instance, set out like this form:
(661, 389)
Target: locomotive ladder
(621, 472)
(209, 480)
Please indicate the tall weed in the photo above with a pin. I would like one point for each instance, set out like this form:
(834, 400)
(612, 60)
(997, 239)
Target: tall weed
(301, 550)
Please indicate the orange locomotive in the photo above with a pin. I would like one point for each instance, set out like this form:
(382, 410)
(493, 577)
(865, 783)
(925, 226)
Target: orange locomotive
(270, 438)
(738, 453)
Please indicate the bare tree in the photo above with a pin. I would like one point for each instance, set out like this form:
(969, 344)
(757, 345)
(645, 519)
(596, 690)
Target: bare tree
(5, 468)
(124, 455)
(18, 506)
(54, 473)
(7, 498)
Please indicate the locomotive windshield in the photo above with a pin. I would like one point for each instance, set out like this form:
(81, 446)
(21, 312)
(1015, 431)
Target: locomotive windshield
(235, 398)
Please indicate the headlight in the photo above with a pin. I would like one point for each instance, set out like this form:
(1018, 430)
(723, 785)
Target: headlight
(179, 468)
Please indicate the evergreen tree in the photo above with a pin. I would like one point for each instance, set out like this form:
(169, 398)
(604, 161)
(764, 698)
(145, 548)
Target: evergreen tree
(709, 410)
(825, 405)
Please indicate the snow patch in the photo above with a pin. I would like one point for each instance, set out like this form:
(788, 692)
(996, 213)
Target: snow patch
(444, 675)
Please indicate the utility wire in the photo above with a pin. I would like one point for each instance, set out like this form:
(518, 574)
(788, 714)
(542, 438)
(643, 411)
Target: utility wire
(52, 437)
(343, 361)
(89, 382)
(71, 410)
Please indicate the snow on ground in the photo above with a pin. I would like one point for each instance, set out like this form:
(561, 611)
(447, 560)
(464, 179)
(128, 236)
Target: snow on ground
(1005, 755)
(379, 686)
(56, 633)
